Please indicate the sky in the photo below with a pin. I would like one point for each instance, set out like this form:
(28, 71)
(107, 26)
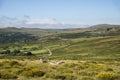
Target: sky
(84, 12)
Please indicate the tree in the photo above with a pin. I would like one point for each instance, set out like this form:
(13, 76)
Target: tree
(29, 53)
(16, 51)
(7, 52)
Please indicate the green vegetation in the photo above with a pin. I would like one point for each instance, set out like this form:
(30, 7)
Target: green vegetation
(70, 70)
(107, 76)
(78, 35)
(12, 37)
(87, 54)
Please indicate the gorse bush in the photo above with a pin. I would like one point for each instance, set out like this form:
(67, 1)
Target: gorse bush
(55, 75)
(86, 73)
(87, 78)
(27, 73)
(7, 75)
(60, 76)
(13, 63)
(37, 72)
(107, 76)
(1, 64)
(33, 73)
(8, 64)
(109, 69)
(70, 76)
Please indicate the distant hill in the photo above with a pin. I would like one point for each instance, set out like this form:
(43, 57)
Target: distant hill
(27, 34)
(41, 32)
(105, 27)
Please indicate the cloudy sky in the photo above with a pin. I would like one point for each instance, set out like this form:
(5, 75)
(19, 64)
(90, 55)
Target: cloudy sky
(58, 12)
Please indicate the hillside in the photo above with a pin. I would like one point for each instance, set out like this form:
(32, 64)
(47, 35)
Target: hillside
(94, 48)
(93, 31)
(105, 27)
(12, 37)
(65, 54)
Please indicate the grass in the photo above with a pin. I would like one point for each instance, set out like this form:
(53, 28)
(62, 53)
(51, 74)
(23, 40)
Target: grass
(95, 48)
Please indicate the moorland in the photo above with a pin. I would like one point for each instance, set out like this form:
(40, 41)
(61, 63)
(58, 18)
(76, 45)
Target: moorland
(91, 53)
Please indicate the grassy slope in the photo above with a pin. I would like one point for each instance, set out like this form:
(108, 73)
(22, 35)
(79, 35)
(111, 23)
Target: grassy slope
(95, 48)
(105, 48)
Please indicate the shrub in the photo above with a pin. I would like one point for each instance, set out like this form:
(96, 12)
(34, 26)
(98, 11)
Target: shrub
(52, 75)
(100, 67)
(70, 76)
(83, 66)
(109, 69)
(72, 65)
(86, 78)
(61, 77)
(26, 54)
(0, 75)
(12, 63)
(7, 52)
(16, 51)
(107, 76)
(29, 53)
(27, 73)
(1, 64)
(87, 73)
(6, 64)
(38, 73)
(7, 75)
(33, 73)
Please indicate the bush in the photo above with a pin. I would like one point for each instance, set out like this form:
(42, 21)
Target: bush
(33, 73)
(107, 76)
(26, 54)
(55, 75)
(100, 67)
(87, 73)
(27, 73)
(6, 64)
(7, 75)
(0, 75)
(70, 77)
(38, 73)
(86, 78)
(109, 69)
(16, 51)
(7, 52)
(12, 63)
(1, 64)
(29, 53)
(59, 76)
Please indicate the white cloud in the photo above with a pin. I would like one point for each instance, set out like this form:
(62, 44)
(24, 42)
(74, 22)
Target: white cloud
(42, 21)
(27, 22)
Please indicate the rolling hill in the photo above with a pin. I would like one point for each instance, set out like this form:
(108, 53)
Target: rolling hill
(92, 31)
(83, 54)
